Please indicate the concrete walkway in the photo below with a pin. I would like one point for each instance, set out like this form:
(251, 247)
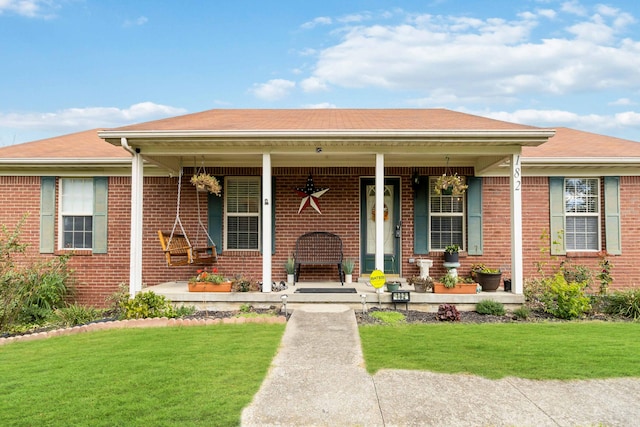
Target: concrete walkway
(318, 379)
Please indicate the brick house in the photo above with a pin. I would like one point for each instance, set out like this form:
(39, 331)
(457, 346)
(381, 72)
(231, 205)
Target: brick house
(535, 196)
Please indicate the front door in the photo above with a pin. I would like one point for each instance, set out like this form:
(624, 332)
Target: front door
(392, 225)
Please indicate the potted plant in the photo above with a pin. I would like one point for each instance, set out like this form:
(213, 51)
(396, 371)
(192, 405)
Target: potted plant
(450, 284)
(451, 253)
(450, 185)
(347, 266)
(488, 278)
(421, 285)
(206, 182)
(290, 266)
(212, 281)
(392, 286)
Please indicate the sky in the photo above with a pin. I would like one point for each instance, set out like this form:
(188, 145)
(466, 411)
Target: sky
(74, 65)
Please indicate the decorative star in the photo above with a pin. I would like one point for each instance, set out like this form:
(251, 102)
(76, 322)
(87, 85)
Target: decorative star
(310, 195)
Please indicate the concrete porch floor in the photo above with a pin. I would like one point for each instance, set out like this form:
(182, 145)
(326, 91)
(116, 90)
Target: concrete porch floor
(178, 293)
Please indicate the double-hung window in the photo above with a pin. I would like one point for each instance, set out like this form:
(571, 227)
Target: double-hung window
(242, 213)
(446, 219)
(76, 211)
(582, 214)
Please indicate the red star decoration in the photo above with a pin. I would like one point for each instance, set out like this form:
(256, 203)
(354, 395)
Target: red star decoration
(310, 195)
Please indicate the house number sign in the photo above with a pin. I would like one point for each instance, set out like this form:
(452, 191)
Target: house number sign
(517, 176)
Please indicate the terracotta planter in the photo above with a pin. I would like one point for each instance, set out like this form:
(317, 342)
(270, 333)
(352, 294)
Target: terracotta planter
(209, 287)
(489, 281)
(460, 288)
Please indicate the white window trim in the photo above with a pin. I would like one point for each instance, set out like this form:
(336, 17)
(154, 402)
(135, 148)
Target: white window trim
(597, 214)
(61, 214)
(234, 214)
(463, 214)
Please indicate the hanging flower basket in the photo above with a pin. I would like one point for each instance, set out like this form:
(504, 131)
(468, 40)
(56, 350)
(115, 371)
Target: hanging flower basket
(449, 185)
(206, 182)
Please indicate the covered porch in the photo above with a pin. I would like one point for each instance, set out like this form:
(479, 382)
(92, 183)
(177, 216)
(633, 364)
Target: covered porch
(178, 293)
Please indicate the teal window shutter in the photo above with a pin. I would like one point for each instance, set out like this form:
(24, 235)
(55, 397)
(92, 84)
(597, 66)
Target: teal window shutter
(215, 208)
(47, 214)
(421, 217)
(474, 215)
(613, 224)
(100, 208)
(556, 208)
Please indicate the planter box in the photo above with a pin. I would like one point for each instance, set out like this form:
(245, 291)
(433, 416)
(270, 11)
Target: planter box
(210, 287)
(460, 288)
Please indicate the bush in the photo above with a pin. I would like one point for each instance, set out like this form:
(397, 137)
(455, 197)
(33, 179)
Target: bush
(147, 304)
(488, 306)
(522, 312)
(624, 303)
(448, 312)
(563, 299)
(74, 315)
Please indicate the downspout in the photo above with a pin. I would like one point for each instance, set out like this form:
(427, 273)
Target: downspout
(135, 251)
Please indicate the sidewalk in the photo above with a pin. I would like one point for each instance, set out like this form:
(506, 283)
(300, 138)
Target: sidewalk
(318, 378)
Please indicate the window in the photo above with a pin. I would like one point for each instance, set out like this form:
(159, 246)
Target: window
(76, 211)
(446, 219)
(242, 213)
(582, 214)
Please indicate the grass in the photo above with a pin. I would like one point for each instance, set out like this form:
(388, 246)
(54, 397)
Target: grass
(137, 377)
(570, 350)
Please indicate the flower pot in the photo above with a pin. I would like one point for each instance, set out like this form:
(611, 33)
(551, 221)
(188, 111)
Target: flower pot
(209, 287)
(348, 278)
(489, 281)
(392, 286)
(421, 288)
(290, 278)
(447, 191)
(460, 288)
(452, 257)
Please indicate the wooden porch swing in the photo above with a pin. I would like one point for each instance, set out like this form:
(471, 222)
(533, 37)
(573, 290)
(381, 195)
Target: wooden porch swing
(177, 247)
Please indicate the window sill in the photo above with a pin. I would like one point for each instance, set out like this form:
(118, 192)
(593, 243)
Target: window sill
(583, 254)
(74, 252)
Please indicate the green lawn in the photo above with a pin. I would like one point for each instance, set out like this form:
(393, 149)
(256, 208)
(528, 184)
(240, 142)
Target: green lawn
(573, 350)
(137, 377)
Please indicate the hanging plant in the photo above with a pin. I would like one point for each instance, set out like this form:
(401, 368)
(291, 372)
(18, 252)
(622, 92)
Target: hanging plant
(206, 182)
(450, 185)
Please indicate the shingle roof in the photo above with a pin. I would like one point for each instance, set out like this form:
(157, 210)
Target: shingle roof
(572, 143)
(80, 145)
(326, 119)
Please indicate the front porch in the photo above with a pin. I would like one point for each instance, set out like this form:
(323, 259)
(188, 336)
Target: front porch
(178, 293)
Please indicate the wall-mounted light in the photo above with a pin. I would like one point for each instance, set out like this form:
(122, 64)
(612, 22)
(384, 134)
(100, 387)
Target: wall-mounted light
(415, 180)
(318, 149)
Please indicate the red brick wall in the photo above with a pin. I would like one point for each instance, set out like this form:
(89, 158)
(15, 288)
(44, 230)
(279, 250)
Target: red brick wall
(100, 274)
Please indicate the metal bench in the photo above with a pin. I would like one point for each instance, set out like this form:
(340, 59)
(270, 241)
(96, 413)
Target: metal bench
(318, 248)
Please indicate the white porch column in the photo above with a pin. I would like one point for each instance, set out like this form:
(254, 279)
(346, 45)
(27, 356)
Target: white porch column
(380, 211)
(517, 275)
(135, 252)
(266, 222)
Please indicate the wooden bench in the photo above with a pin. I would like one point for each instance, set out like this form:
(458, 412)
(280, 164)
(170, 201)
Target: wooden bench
(318, 248)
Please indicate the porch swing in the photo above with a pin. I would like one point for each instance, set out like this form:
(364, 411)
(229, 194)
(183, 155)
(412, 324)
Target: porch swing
(177, 247)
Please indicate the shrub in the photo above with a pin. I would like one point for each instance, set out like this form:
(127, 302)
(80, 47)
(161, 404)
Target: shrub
(624, 303)
(74, 315)
(522, 312)
(488, 306)
(448, 312)
(185, 310)
(147, 304)
(563, 299)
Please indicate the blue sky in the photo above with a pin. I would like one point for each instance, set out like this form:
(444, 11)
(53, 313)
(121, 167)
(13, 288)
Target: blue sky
(71, 65)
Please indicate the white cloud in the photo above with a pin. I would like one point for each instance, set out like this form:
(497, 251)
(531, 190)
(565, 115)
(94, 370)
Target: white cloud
(273, 90)
(483, 59)
(622, 101)
(313, 84)
(136, 22)
(574, 7)
(598, 123)
(321, 20)
(322, 105)
(74, 119)
(28, 8)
